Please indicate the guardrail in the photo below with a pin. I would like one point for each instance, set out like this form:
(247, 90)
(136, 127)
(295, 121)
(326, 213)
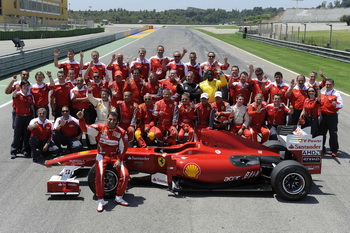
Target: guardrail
(338, 55)
(13, 63)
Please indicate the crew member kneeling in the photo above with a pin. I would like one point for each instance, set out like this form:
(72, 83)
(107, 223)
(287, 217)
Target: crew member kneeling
(112, 146)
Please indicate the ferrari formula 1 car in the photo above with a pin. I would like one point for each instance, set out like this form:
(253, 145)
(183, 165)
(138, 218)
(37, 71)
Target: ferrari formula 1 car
(220, 161)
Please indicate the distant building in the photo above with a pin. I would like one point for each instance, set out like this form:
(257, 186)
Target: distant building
(42, 12)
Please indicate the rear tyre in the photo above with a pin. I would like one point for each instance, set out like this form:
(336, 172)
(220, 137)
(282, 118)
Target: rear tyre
(111, 181)
(290, 180)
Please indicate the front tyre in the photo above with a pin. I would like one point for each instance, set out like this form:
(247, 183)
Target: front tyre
(290, 180)
(111, 181)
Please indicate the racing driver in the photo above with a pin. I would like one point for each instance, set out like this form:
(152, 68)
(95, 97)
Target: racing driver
(112, 146)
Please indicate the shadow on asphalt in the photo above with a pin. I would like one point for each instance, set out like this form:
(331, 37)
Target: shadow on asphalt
(65, 198)
(341, 155)
(134, 201)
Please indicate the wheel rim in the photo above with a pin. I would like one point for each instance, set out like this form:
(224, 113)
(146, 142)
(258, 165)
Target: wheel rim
(293, 183)
(111, 181)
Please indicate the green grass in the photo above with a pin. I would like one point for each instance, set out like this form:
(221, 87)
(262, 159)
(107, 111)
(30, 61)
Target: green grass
(340, 38)
(214, 26)
(298, 62)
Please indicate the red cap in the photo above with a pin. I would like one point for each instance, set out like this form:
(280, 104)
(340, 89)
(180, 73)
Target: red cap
(118, 73)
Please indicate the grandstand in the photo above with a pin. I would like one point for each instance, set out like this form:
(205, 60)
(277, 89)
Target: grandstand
(313, 15)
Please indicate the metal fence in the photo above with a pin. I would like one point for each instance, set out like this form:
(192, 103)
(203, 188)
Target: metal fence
(74, 24)
(315, 50)
(298, 33)
(13, 63)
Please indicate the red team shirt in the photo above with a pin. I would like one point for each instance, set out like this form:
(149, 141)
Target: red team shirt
(67, 65)
(124, 69)
(96, 67)
(169, 116)
(273, 88)
(44, 130)
(155, 89)
(156, 63)
(81, 93)
(276, 115)
(327, 99)
(298, 96)
(197, 71)
(61, 92)
(145, 115)
(180, 67)
(143, 65)
(70, 129)
(41, 94)
(134, 87)
(128, 113)
(256, 83)
(311, 108)
(239, 88)
(186, 114)
(257, 118)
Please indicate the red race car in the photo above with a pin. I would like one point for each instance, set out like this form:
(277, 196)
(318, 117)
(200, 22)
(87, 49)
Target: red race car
(220, 161)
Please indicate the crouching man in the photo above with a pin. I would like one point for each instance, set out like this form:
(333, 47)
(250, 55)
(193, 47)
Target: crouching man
(41, 136)
(112, 146)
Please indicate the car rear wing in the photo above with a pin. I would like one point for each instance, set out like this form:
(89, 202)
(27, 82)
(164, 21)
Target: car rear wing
(305, 149)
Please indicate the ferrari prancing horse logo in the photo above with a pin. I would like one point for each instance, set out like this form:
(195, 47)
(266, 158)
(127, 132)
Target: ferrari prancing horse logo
(161, 161)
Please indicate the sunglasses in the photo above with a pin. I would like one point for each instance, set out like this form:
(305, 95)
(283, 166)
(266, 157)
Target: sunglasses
(176, 56)
(64, 111)
(211, 56)
(96, 76)
(259, 74)
(311, 91)
(148, 99)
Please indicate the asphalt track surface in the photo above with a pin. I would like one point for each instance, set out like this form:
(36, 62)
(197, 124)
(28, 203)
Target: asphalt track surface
(26, 208)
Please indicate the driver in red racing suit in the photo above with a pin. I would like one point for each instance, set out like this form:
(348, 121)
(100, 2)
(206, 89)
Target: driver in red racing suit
(112, 146)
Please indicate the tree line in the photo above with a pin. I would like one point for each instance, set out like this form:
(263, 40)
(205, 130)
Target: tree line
(334, 4)
(177, 16)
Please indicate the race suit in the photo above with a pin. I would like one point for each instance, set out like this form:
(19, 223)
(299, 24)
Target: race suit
(112, 146)
(166, 114)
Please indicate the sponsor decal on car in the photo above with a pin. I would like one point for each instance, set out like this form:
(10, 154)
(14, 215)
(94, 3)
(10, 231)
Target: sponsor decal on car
(311, 152)
(161, 161)
(159, 178)
(231, 178)
(192, 170)
(137, 158)
(304, 143)
(311, 159)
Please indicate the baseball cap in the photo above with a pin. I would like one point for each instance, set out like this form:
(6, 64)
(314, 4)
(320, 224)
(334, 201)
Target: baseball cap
(218, 94)
(118, 73)
(204, 95)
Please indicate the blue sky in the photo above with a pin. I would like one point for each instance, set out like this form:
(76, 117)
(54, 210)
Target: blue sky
(161, 5)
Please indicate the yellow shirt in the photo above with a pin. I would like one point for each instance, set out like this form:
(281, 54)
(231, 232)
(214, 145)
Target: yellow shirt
(210, 87)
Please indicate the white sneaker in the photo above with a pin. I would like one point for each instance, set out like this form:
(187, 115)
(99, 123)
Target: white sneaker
(100, 205)
(121, 201)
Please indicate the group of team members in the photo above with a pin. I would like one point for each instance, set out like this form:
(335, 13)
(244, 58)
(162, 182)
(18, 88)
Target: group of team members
(159, 100)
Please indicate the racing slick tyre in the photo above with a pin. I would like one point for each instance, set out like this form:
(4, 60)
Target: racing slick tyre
(290, 180)
(111, 181)
(274, 144)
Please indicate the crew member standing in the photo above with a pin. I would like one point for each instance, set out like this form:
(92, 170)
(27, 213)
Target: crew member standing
(112, 146)
(23, 101)
(331, 102)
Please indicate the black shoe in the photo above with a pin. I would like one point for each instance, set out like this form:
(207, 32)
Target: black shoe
(35, 159)
(27, 155)
(13, 156)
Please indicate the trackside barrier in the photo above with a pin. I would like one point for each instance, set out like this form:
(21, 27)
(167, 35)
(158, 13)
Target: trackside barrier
(338, 55)
(13, 63)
